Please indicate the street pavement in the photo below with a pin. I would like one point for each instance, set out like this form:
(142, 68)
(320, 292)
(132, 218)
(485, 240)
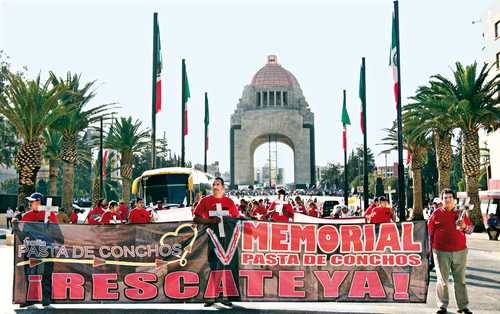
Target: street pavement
(483, 283)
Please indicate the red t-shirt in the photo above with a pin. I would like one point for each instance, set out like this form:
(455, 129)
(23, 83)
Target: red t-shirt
(369, 210)
(381, 215)
(208, 203)
(313, 212)
(107, 218)
(302, 209)
(260, 213)
(286, 212)
(122, 212)
(443, 231)
(38, 216)
(94, 216)
(73, 218)
(139, 216)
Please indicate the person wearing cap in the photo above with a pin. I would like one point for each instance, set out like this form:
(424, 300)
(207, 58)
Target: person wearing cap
(139, 215)
(382, 213)
(111, 216)
(447, 228)
(436, 203)
(36, 213)
(280, 210)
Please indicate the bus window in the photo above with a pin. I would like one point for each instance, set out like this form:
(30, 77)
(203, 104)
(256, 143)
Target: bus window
(169, 188)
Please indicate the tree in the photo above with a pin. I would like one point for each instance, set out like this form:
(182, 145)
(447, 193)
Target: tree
(128, 138)
(417, 145)
(474, 106)
(77, 96)
(332, 176)
(8, 143)
(30, 106)
(52, 140)
(379, 187)
(432, 107)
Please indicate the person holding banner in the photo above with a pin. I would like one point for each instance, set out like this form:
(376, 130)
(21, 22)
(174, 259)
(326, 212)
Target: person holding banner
(36, 213)
(139, 215)
(382, 213)
(280, 210)
(211, 211)
(111, 216)
(94, 216)
(447, 227)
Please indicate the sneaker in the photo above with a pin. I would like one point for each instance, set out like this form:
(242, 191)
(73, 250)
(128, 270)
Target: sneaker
(442, 310)
(48, 306)
(209, 303)
(465, 311)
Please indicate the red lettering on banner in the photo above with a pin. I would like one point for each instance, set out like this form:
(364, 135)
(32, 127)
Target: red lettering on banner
(255, 232)
(34, 292)
(401, 283)
(68, 283)
(101, 284)
(288, 283)
(351, 238)
(366, 282)
(328, 238)
(221, 281)
(414, 260)
(303, 234)
(369, 231)
(173, 287)
(255, 281)
(331, 285)
(314, 260)
(279, 238)
(408, 244)
(388, 237)
(140, 285)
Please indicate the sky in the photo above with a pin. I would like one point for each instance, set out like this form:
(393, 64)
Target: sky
(226, 42)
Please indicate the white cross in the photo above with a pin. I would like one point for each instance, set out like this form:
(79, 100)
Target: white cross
(390, 192)
(49, 208)
(279, 208)
(258, 216)
(219, 213)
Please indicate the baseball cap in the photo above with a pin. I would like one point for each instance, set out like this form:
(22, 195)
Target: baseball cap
(35, 197)
(437, 200)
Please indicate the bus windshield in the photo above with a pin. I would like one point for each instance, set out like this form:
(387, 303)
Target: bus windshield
(168, 188)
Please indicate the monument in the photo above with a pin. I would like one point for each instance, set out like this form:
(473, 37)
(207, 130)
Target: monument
(272, 107)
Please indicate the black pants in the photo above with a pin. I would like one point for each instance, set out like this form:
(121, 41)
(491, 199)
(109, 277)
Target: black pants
(493, 233)
(9, 222)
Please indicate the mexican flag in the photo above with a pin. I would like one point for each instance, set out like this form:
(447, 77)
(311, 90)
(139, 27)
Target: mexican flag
(345, 121)
(185, 97)
(393, 59)
(157, 67)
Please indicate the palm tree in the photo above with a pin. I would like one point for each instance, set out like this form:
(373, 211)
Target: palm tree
(417, 145)
(52, 140)
(71, 125)
(474, 106)
(128, 138)
(30, 106)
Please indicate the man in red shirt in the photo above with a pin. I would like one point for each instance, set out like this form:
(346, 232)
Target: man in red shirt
(370, 208)
(139, 215)
(382, 213)
(122, 211)
(111, 216)
(447, 227)
(259, 211)
(300, 208)
(36, 214)
(216, 202)
(74, 216)
(280, 210)
(312, 210)
(94, 216)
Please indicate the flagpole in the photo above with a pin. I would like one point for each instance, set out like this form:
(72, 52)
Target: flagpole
(344, 139)
(365, 145)
(205, 168)
(100, 158)
(183, 148)
(153, 103)
(401, 178)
